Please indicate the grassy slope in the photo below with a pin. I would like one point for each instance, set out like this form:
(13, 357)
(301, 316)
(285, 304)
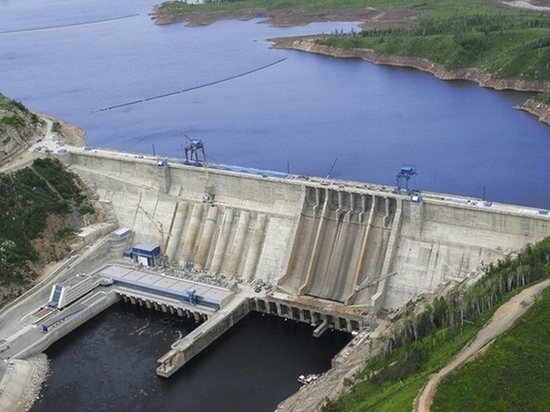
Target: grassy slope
(17, 125)
(504, 42)
(512, 376)
(178, 8)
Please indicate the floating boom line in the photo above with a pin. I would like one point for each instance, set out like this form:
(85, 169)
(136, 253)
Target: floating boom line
(189, 89)
(62, 26)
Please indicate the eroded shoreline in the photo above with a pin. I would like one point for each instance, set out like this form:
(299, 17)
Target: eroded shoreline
(21, 382)
(532, 106)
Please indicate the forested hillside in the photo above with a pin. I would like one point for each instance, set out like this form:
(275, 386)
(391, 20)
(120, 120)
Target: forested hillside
(41, 208)
(18, 126)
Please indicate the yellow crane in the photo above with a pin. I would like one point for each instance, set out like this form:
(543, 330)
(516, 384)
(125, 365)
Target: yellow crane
(159, 226)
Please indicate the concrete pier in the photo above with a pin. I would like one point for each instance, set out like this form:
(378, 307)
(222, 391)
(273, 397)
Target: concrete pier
(191, 345)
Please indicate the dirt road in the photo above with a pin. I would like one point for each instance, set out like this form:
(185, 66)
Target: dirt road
(501, 321)
(49, 142)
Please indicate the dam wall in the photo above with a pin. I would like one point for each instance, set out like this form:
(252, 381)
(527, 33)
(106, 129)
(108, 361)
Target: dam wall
(359, 245)
(246, 233)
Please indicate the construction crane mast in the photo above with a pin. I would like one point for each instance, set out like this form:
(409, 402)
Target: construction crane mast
(159, 226)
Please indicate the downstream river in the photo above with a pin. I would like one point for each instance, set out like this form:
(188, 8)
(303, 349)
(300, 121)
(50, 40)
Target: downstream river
(109, 365)
(135, 86)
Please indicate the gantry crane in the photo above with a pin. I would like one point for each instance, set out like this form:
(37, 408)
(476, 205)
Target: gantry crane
(194, 152)
(403, 177)
(159, 226)
(196, 156)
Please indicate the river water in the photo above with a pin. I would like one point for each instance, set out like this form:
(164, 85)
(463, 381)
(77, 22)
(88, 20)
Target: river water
(135, 86)
(109, 365)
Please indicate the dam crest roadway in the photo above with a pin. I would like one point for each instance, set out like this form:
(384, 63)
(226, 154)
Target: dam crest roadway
(213, 243)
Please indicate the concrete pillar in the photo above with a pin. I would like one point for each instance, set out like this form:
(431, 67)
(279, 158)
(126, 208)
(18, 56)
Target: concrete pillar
(177, 231)
(221, 243)
(238, 245)
(416, 216)
(349, 326)
(317, 201)
(321, 328)
(317, 243)
(206, 238)
(254, 248)
(163, 173)
(377, 300)
(192, 233)
(361, 260)
(340, 202)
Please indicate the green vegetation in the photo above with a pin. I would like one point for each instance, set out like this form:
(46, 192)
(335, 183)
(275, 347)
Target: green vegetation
(56, 127)
(29, 196)
(15, 120)
(513, 374)
(543, 98)
(422, 343)
(506, 43)
(179, 8)
(16, 114)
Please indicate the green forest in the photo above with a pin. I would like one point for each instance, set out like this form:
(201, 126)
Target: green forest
(29, 196)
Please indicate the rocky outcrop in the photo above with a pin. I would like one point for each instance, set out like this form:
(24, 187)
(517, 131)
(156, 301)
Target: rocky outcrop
(536, 108)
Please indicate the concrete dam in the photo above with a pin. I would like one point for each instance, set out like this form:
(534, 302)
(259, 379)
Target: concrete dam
(339, 248)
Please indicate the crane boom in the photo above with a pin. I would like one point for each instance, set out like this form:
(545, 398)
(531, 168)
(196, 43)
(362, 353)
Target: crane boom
(367, 283)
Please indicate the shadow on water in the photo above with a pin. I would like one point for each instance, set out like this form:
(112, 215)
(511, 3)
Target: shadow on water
(109, 364)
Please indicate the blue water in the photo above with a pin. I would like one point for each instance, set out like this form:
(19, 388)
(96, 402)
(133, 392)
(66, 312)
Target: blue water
(71, 59)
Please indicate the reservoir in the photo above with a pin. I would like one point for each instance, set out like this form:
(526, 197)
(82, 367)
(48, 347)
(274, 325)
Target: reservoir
(270, 109)
(105, 68)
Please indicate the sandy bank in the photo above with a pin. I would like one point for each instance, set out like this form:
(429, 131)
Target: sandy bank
(21, 381)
